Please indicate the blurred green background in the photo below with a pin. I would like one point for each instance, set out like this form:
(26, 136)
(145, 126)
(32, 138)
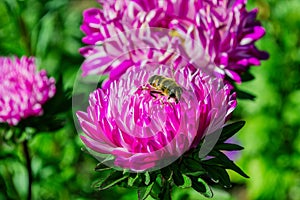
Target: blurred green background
(49, 30)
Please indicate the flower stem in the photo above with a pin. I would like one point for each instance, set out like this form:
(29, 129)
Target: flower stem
(25, 35)
(29, 170)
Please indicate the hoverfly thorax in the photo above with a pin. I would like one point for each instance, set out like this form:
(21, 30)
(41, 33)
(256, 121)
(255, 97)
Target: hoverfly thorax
(165, 86)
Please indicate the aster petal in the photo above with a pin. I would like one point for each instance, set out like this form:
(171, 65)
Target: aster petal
(258, 32)
(96, 145)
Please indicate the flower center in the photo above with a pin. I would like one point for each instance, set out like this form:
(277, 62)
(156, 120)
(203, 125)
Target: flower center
(146, 105)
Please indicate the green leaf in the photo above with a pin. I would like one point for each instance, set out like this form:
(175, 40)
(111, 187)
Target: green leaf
(244, 95)
(191, 167)
(156, 189)
(101, 167)
(165, 193)
(144, 192)
(167, 173)
(228, 147)
(247, 76)
(218, 175)
(9, 155)
(177, 177)
(202, 187)
(135, 180)
(223, 160)
(106, 158)
(8, 134)
(45, 34)
(229, 130)
(187, 182)
(113, 179)
(147, 178)
(4, 126)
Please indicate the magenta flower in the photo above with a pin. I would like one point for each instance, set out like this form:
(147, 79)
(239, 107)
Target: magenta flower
(23, 90)
(143, 130)
(226, 31)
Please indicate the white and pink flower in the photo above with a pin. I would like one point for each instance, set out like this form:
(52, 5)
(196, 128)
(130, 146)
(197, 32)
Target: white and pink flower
(23, 90)
(227, 32)
(143, 132)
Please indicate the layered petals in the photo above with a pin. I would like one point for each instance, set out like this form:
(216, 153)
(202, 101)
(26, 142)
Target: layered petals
(144, 129)
(226, 31)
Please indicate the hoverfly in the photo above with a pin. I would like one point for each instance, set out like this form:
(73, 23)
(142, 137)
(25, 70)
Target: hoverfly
(165, 86)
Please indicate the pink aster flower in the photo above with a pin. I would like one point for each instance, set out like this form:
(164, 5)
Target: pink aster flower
(144, 129)
(226, 30)
(23, 90)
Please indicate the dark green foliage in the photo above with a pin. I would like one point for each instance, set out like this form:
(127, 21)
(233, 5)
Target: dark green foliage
(229, 130)
(229, 147)
(220, 159)
(188, 168)
(177, 177)
(247, 76)
(202, 187)
(144, 192)
(244, 95)
(113, 179)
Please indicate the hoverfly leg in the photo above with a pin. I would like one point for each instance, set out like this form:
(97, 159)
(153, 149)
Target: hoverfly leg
(145, 88)
(154, 92)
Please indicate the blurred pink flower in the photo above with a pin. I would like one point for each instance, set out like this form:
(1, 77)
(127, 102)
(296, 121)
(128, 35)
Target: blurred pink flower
(140, 47)
(23, 90)
(143, 132)
(226, 31)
